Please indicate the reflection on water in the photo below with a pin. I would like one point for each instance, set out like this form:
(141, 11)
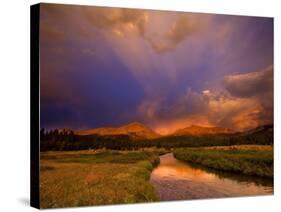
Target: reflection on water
(176, 180)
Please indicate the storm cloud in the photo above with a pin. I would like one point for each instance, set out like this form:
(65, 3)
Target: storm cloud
(250, 84)
(110, 66)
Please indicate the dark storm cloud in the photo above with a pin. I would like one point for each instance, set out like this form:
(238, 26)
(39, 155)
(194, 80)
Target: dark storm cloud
(245, 101)
(250, 84)
(255, 85)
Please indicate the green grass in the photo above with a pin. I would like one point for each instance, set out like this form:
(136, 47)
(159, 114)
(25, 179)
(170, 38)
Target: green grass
(248, 162)
(81, 178)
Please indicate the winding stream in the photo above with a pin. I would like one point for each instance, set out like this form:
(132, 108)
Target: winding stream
(176, 180)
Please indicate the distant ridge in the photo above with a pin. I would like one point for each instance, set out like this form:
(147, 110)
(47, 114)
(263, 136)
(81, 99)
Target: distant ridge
(138, 131)
(135, 130)
(259, 129)
(199, 130)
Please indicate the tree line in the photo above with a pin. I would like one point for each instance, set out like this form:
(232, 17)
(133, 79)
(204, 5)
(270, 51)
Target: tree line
(65, 140)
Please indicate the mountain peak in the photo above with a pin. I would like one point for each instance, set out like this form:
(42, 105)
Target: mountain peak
(202, 130)
(135, 130)
(135, 124)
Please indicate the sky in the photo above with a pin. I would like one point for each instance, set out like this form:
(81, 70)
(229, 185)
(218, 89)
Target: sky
(102, 67)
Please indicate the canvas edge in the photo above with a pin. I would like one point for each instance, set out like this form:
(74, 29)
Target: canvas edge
(34, 105)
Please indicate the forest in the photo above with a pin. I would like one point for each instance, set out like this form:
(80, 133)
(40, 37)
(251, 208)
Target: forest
(66, 140)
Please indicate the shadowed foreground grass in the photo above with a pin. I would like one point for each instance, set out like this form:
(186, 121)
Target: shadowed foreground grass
(245, 161)
(82, 178)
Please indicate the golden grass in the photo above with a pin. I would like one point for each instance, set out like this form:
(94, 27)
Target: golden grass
(93, 180)
(241, 147)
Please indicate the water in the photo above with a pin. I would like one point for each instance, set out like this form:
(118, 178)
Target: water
(176, 180)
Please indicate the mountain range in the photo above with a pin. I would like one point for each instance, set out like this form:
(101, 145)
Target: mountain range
(138, 130)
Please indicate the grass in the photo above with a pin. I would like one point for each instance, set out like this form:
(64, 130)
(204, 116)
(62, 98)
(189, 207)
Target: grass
(46, 168)
(81, 178)
(245, 161)
(242, 147)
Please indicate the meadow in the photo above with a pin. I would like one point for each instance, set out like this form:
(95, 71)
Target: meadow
(81, 178)
(102, 177)
(248, 160)
(87, 170)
